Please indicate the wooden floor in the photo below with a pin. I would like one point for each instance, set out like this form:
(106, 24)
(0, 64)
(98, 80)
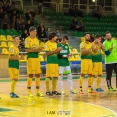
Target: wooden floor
(69, 105)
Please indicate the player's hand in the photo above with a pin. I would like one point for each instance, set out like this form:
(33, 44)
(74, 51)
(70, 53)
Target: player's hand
(40, 49)
(22, 57)
(59, 49)
(69, 55)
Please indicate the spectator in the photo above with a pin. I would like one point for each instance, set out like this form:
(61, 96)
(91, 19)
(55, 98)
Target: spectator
(9, 27)
(13, 14)
(92, 38)
(24, 35)
(6, 7)
(95, 13)
(48, 32)
(58, 41)
(75, 11)
(100, 11)
(57, 32)
(12, 7)
(75, 25)
(30, 16)
(1, 4)
(102, 39)
(21, 22)
(14, 22)
(81, 25)
(71, 10)
(6, 21)
(40, 4)
(22, 46)
(27, 25)
(1, 13)
(42, 34)
(1, 17)
(39, 27)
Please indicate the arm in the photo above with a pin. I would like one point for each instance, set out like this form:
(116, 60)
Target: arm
(108, 51)
(34, 50)
(53, 52)
(102, 46)
(17, 58)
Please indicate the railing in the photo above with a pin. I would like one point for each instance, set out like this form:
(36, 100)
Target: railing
(62, 5)
(21, 3)
(82, 5)
(51, 3)
(88, 7)
(108, 7)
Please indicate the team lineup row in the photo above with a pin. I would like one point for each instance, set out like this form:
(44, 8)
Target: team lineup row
(57, 62)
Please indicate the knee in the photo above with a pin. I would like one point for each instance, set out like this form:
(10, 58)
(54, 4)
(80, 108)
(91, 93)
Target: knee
(15, 79)
(70, 76)
(37, 75)
(60, 77)
(82, 75)
(90, 75)
(30, 75)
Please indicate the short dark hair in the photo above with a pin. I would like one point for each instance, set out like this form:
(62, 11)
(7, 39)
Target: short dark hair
(65, 37)
(97, 36)
(57, 29)
(32, 28)
(107, 32)
(15, 36)
(52, 35)
(86, 33)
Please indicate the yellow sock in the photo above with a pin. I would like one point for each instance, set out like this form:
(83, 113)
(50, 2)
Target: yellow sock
(92, 79)
(47, 81)
(54, 83)
(37, 83)
(13, 84)
(29, 84)
(81, 79)
(89, 82)
(98, 82)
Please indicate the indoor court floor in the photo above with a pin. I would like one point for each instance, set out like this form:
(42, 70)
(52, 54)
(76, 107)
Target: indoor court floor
(70, 105)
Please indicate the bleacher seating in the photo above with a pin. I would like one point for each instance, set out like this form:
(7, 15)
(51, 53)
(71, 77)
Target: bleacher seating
(4, 51)
(92, 24)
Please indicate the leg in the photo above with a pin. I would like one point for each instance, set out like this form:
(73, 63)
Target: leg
(29, 84)
(54, 83)
(109, 69)
(60, 78)
(81, 80)
(84, 69)
(14, 75)
(47, 81)
(115, 70)
(90, 72)
(37, 83)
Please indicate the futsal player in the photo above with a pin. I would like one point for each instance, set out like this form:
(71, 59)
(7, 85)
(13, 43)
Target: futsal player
(110, 59)
(97, 61)
(14, 65)
(33, 63)
(86, 62)
(52, 64)
(64, 65)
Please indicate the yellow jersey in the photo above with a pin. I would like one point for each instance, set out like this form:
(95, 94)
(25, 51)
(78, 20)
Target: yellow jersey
(13, 51)
(49, 47)
(32, 44)
(86, 45)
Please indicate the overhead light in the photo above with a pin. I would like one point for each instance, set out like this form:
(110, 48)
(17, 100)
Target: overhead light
(93, 0)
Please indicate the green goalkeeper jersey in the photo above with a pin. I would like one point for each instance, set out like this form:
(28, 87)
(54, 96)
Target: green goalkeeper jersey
(63, 60)
(112, 57)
